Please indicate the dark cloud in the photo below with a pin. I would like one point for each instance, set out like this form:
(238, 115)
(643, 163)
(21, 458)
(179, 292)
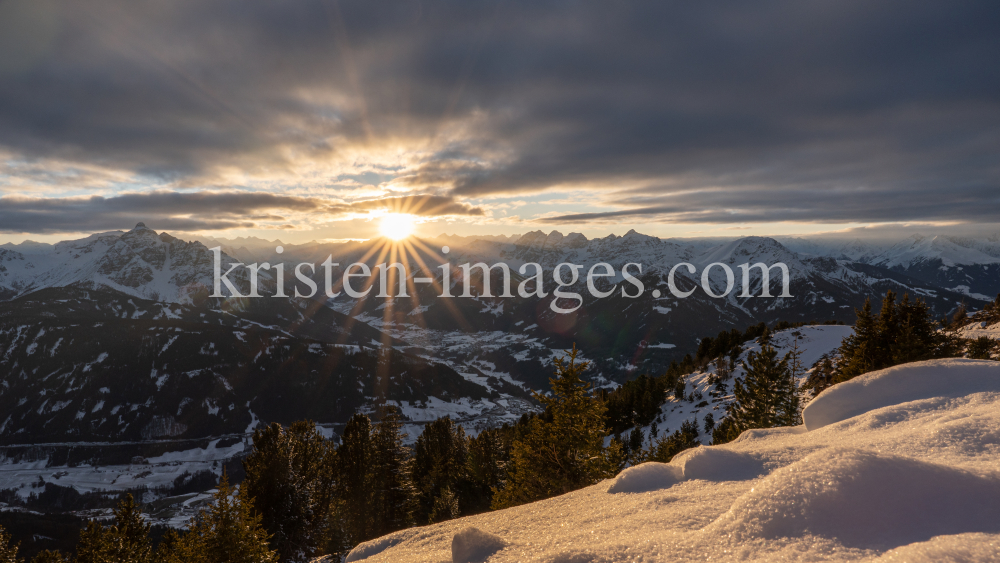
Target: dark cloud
(164, 210)
(196, 211)
(773, 110)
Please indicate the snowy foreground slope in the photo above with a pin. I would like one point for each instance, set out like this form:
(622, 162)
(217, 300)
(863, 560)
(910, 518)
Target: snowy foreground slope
(898, 465)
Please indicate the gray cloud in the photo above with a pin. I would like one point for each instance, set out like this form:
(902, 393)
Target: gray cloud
(776, 110)
(196, 211)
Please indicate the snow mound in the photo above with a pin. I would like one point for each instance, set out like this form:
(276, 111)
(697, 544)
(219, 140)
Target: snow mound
(646, 477)
(899, 465)
(901, 384)
(718, 464)
(864, 500)
(472, 545)
(962, 548)
(375, 547)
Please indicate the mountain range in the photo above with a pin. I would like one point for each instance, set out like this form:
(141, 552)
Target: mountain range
(113, 339)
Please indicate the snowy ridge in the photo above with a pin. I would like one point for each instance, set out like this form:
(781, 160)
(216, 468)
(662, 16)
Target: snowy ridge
(915, 478)
(139, 262)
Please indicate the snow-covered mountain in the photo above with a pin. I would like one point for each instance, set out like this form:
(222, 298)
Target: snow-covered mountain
(139, 262)
(115, 283)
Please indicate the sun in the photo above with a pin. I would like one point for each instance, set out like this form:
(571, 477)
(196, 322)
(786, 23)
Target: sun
(396, 226)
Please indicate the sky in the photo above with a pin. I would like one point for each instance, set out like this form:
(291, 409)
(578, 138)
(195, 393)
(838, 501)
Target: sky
(311, 119)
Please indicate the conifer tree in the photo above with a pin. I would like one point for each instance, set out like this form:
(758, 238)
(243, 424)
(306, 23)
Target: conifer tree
(666, 447)
(489, 453)
(860, 352)
(981, 348)
(765, 395)
(95, 544)
(902, 333)
(567, 453)
(50, 556)
(129, 535)
(439, 470)
(354, 481)
(961, 315)
(126, 540)
(394, 492)
(229, 531)
(8, 549)
(289, 474)
(445, 506)
(791, 406)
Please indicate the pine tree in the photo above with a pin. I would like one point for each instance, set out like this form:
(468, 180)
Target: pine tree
(981, 348)
(709, 423)
(8, 549)
(902, 333)
(230, 531)
(49, 556)
(860, 351)
(129, 535)
(665, 448)
(439, 470)
(126, 540)
(289, 474)
(564, 454)
(95, 544)
(489, 454)
(765, 396)
(355, 485)
(961, 315)
(394, 493)
(791, 407)
(725, 431)
(445, 506)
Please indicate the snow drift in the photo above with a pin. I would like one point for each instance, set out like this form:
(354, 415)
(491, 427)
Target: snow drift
(898, 465)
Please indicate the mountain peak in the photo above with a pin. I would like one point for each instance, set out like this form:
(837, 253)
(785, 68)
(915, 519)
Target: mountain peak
(140, 226)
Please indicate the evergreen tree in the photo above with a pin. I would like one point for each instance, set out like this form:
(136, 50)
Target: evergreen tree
(49, 556)
(567, 453)
(633, 452)
(725, 431)
(8, 549)
(445, 506)
(95, 545)
(439, 470)
(981, 348)
(665, 448)
(902, 333)
(354, 481)
(679, 388)
(821, 377)
(766, 395)
(391, 472)
(709, 423)
(960, 317)
(859, 352)
(488, 456)
(792, 404)
(289, 474)
(129, 535)
(229, 531)
(126, 540)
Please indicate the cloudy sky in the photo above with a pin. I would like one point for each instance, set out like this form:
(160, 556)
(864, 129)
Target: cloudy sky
(306, 119)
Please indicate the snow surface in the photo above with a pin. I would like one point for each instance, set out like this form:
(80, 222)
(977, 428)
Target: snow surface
(913, 477)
